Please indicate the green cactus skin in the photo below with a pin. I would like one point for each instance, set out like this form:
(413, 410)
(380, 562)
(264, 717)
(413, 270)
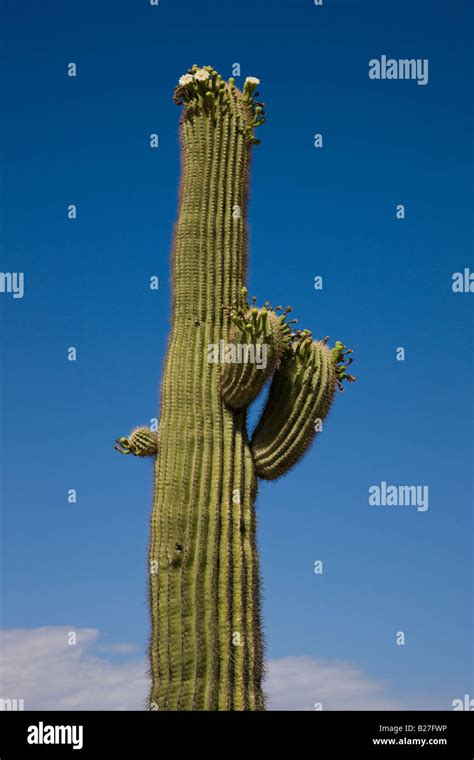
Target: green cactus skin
(206, 647)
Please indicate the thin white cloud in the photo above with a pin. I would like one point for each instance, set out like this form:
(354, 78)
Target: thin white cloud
(41, 667)
(301, 683)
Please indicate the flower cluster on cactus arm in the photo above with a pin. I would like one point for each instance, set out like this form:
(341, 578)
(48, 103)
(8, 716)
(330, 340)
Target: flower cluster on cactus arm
(298, 344)
(339, 356)
(252, 322)
(203, 90)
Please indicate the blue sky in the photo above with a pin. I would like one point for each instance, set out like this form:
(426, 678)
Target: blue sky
(328, 212)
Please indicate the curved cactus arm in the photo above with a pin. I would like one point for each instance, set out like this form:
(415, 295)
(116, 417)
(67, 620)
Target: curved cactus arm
(257, 340)
(300, 397)
(142, 442)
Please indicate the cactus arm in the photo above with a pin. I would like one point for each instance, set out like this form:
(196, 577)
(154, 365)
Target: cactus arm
(257, 340)
(300, 396)
(142, 442)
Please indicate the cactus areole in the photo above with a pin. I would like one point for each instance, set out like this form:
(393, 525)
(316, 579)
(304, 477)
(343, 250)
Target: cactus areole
(206, 647)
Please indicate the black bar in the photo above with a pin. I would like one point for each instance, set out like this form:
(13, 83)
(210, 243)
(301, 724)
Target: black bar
(318, 735)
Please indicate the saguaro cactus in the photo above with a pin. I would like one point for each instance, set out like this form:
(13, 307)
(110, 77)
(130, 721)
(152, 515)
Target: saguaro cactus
(206, 649)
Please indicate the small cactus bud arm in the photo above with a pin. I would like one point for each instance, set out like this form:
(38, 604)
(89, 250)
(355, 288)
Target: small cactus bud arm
(257, 340)
(142, 442)
(300, 398)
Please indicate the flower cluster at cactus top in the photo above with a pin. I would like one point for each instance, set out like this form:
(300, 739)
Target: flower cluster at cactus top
(203, 90)
(203, 74)
(200, 75)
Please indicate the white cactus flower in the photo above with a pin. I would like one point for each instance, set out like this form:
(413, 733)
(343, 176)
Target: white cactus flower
(252, 80)
(201, 75)
(185, 79)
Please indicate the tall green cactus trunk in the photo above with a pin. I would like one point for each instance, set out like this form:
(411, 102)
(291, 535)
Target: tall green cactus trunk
(206, 650)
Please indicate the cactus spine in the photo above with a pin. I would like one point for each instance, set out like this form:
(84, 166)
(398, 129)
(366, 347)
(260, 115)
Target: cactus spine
(206, 649)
